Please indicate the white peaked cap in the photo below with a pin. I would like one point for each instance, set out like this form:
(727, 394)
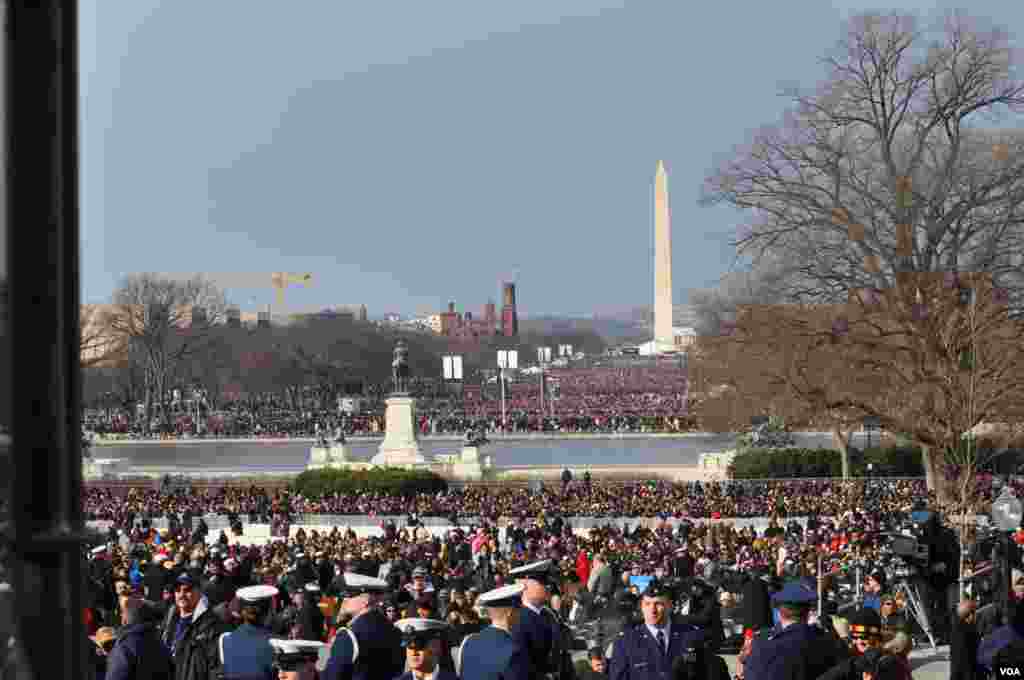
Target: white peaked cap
(256, 593)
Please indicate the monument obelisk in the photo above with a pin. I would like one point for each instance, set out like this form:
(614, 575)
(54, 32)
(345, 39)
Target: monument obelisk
(663, 339)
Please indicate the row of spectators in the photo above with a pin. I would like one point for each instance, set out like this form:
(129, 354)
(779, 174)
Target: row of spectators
(606, 499)
(282, 424)
(439, 575)
(599, 400)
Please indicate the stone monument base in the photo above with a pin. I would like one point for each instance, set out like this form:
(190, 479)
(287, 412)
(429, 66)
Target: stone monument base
(399, 446)
(469, 465)
(97, 468)
(399, 458)
(335, 455)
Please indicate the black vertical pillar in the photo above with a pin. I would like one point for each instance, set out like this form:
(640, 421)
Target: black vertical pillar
(41, 71)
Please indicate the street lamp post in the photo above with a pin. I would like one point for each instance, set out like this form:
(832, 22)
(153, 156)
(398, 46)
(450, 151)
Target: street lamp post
(543, 357)
(871, 423)
(506, 359)
(452, 369)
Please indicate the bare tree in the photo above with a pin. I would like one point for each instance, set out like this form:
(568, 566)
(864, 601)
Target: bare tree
(884, 168)
(770, 364)
(761, 284)
(934, 357)
(166, 321)
(100, 343)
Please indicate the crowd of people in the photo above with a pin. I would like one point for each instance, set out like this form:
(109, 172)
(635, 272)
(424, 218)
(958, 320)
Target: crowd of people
(580, 498)
(594, 400)
(143, 583)
(174, 591)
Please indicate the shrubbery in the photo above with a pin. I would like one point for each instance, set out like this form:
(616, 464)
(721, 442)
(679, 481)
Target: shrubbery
(327, 481)
(796, 463)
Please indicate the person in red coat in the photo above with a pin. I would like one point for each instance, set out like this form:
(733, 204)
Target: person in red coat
(583, 566)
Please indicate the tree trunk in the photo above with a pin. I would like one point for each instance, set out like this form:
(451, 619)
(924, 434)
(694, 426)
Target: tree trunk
(149, 399)
(843, 442)
(934, 476)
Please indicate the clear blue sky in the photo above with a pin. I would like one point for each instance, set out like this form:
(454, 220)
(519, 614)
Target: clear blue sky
(407, 152)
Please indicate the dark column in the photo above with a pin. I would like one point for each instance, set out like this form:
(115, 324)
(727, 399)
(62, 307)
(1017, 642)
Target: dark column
(41, 83)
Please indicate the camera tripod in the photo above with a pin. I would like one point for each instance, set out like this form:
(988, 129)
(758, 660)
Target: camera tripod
(911, 594)
(915, 606)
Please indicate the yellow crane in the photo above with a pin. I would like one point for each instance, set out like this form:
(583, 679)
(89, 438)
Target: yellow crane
(281, 280)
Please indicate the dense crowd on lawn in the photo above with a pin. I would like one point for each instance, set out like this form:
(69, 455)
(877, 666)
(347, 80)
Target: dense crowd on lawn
(604, 499)
(450, 421)
(438, 573)
(586, 400)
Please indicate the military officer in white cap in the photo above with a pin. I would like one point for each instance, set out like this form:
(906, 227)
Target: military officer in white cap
(425, 649)
(538, 629)
(493, 654)
(371, 647)
(296, 659)
(245, 653)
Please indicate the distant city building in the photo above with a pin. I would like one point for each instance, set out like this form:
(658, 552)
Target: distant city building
(682, 339)
(464, 327)
(263, 319)
(509, 315)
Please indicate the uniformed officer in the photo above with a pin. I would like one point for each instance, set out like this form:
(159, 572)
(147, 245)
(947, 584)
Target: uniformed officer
(493, 653)
(1004, 636)
(371, 647)
(245, 653)
(538, 630)
(793, 649)
(425, 649)
(648, 649)
(296, 659)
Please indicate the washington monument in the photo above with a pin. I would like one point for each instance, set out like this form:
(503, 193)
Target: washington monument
(663, 337)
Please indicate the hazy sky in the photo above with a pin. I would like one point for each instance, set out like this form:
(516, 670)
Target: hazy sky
(407, 152)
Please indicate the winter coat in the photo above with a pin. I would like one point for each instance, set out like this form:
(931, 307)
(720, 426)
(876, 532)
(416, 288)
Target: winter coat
(139, 654)
(197, 655)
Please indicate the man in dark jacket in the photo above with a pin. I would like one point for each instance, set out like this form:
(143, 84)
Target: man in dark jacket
(682, 564)
(311, 619)
(157, 576)
(705, 613)
(138, 652)
(757, 605)
(963, 644)
(191, 631)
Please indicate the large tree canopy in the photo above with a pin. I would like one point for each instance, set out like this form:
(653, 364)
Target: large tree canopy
(886, 166)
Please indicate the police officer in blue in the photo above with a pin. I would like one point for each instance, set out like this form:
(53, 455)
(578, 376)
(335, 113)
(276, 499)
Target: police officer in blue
(1010, 634)
(296, 659)
(493, 653)
(425, 649)
(646, 651)
(538, 630)
(371, 647)
(246, 653)
(793, 650)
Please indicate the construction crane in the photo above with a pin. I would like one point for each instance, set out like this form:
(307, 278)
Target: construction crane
(281, 280)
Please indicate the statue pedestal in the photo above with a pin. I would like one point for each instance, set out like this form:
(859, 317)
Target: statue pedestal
(97, 468)
(399, 446)
(470, 465)
(334, 455)
(470, 454)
